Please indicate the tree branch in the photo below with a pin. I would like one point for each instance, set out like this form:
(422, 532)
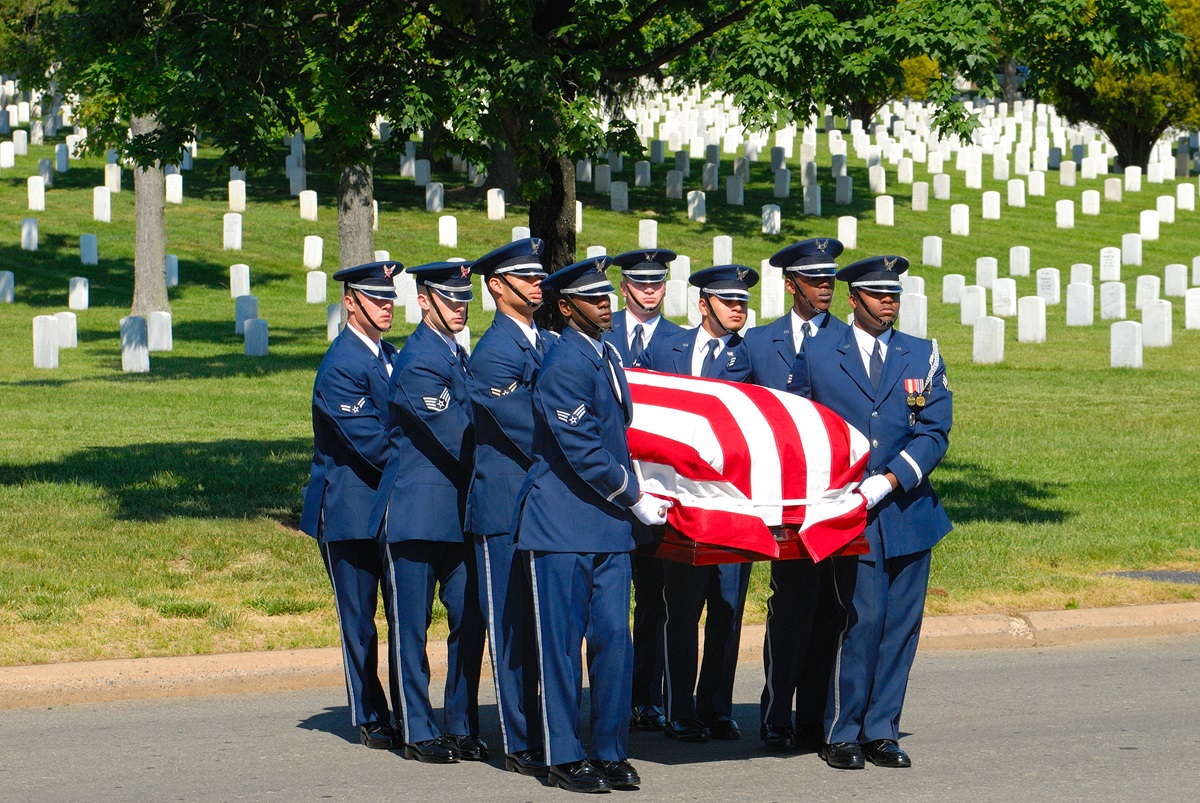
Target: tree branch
(636, 24)
(669, 53)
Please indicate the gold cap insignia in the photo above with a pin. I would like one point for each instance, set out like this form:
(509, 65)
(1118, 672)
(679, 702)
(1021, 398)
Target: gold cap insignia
(388, 270)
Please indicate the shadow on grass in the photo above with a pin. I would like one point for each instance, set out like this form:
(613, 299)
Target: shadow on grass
(229, 479)
(972, 493)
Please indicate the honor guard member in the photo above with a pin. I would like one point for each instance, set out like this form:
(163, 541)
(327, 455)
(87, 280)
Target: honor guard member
(714, 350)
(504, 367)
(574, 522)
(643, 284)
(350, 438)
(891, 387)
(797, 646)
(419, 517)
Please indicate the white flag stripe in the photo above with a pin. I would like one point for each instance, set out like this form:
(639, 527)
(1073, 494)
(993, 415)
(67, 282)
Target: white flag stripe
(682, 427)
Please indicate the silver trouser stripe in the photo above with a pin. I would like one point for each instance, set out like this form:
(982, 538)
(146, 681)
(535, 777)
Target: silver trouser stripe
(345, 651)
(396, 642)
(537, 618)
(491, 625)
(837, 665)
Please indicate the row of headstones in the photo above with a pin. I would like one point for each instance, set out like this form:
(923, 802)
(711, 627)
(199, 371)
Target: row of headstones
(139, 336)
(78, 287)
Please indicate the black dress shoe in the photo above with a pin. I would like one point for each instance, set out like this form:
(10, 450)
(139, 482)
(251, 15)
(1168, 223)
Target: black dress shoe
(579, 776)
(687, 730)
(778, 738)
(886, 753)
(620, 774)
(843, 755)
(648, 718)
(432, 751)
(527, 762)
(470, 748)
(724, 728)
(379, 736)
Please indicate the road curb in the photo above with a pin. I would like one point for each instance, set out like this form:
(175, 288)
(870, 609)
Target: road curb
(284, 670)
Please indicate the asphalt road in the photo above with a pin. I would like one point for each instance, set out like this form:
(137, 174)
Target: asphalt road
(1108, 721)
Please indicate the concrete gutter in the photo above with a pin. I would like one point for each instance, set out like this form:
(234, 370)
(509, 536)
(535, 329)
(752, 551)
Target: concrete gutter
(283, 670)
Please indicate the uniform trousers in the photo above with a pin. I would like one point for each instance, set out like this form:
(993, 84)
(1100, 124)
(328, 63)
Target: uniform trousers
(355, 571)
(883, 600)
(413, 569)
(581, 596)
(687, 590)
(796, 656)
(507, 607)
(648, 613)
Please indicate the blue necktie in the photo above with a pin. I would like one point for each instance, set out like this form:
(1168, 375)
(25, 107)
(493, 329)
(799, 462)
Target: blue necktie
(638, 344)
(710, 358)
(876, 371)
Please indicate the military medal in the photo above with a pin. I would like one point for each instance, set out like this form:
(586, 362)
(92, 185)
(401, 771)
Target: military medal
(914, 387)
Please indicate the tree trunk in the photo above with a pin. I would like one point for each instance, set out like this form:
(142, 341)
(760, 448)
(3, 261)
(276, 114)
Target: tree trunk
(552, 217)
(1133, 143)
(1011, 90)
(356, 216)
(150, 231)
(502, 171)
(863, 109)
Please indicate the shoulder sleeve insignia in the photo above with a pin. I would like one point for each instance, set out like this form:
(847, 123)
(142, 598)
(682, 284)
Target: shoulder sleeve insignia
(732, 360)
(504, 391)
(436, 404)
(571, 418)
(356, 408)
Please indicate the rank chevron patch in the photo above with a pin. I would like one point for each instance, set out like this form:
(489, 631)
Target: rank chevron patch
(354, 409)
(437, 403)
(572, 418)
(504, 391)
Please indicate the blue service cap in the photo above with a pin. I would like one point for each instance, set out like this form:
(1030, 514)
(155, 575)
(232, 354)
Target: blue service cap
(450, 279)
(875, 274)
(647, 265)
(374, 279)
(520, 258)
(731, 282)
(813, 258)
(586, 278)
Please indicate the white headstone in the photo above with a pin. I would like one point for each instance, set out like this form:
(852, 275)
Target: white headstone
(722, 249)
(36, 191)
(1165, 206)
(1090, 203)
(1185, 197)
(693, 306)
(257, 338)
(171, 268)
(244, 308)
(1191, 307)
(333, 321)
(448, 231)
(931, 251)
(696, 211)
(674, 184)
(1133, 182)
(7, 290)
(710, 176)
(422, 172)
(1112, 301)
(579, 217)
(675, 298)
(991, 205)
(989, 340)
(1156, 323)
(101, 205)
(641, 174)
(596, 251)
(1066, 174)
(495, 204)
(308, 205)
(681, 268)
(135, 345)
(1004, 298)
(960, 219)
(914, 314)
(1018, 260)
(1196, 271)
(1175, 280)
(973, 304)
(583, 171)
(1110, 264)
(986, 271)
(174, 185)
(647, 234)
(618, 196)
(434, 197)
(1016, 192)
(77, 293)
(771, 219)
(1125, 345)
(885, 211)
(1036, 181)
(920, 196)
(237, 195)
(1049, 285)
(1064, 212)
(315, 287)
(68, 330)
(45, 341)
(239, 280)
(941, 187)
(1081, 273)
(1081, 303)
(7, 156)
(1131, 249)
(1112, 190)
(158, 331)
(232, 231)
(876, 180)
(519, 233)
(848, 231)
(1148, 288)
(314, 251)
(62, 158)
(952, 288)
(112, 177)
(1031, 320)
(783, 183)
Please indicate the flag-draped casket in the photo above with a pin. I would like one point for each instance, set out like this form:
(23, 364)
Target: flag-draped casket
(755, 473)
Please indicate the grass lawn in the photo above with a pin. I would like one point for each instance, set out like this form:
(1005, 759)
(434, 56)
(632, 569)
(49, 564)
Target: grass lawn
(154, 514)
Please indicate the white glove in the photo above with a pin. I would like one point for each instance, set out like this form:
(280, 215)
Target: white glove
(651, 510)
(875, 488)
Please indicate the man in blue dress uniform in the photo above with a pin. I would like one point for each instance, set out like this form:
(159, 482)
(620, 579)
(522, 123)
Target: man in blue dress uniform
(643, 285)
(892, 387)
(350, 437)
(797, 646)
(504, 367)
(574, 522)
(419, 517)
(715, 350)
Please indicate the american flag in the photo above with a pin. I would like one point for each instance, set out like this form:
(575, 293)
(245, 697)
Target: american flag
(739, 459)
